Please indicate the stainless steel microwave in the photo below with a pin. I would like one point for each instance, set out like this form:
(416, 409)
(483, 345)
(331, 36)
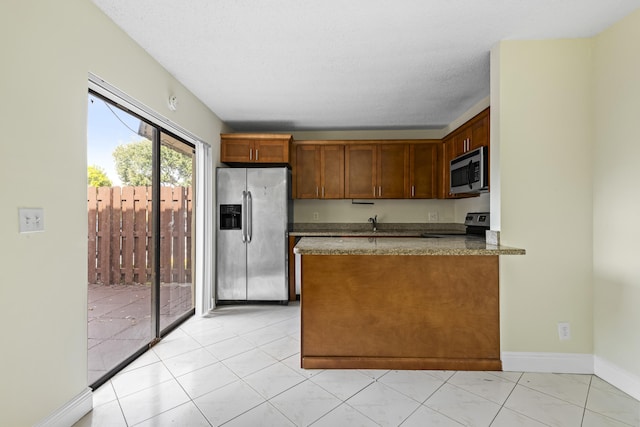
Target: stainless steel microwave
(469, 172)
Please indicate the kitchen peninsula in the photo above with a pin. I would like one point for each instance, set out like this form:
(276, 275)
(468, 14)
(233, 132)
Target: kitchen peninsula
(400, 303)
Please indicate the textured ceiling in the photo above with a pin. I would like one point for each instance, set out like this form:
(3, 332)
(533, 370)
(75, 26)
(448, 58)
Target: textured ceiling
(338, 64)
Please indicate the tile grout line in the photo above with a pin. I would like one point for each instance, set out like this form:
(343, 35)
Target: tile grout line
(556, 397)
(344, 402)
(124, 417)
(519, 413)
(431, 395)
(600, 413)
(584, 410)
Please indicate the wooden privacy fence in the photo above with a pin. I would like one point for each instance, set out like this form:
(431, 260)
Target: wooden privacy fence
(120, 234)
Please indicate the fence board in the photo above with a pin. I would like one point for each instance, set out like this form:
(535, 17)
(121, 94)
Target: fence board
(178, 234)
(188, 219)
(120, 235)
(140, 235)
(92, 220)
(116, 235)
(127, 234)
(104, 234)
(166, 233)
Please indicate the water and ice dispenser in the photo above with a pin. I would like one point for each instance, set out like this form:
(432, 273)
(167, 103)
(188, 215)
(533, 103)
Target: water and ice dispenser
(230, 217)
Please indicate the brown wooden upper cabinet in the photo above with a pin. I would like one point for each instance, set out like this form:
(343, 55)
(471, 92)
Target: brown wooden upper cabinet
(319, 171)
(376, 171)
(471, 135)
(360, 177)
(393, 171)
(255, 148)
(448, 152)
(423, 170)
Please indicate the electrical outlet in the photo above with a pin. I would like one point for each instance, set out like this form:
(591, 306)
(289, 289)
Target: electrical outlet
(433, 216)
(31, 220)
(564, 331)
(316, 216)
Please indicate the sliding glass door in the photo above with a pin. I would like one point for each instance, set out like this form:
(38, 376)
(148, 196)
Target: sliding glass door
(140, 227)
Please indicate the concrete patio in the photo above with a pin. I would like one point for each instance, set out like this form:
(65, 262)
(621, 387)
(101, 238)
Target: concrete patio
(119, 320)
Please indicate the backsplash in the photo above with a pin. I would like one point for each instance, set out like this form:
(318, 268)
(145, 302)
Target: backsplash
(388, 210)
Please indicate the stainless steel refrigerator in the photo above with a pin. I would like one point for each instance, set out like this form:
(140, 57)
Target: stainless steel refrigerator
(254, 213)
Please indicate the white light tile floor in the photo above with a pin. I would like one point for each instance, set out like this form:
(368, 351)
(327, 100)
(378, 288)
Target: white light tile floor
(241, 367)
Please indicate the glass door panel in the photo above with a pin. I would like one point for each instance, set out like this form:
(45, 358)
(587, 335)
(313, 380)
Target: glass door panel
(119, 207)
(176, 228)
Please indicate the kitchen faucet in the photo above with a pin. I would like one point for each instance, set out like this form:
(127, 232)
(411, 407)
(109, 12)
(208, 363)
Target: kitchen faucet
(374, 222)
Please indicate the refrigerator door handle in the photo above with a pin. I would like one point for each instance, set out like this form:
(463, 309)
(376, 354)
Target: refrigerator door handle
(244, 217)
(249, 216)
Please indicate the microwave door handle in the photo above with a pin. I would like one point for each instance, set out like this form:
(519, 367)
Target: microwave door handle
(470, 174)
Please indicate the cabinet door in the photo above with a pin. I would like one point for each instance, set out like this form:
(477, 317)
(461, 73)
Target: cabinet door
(460, 142)
(393, 168)
(271, 151)
(480, 131)
(307, 171)
(423, 170)
(360, 171)
(332, 172)
(237, 150)
(448, 152)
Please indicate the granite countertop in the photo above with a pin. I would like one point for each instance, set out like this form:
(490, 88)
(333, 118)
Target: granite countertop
(437, 245)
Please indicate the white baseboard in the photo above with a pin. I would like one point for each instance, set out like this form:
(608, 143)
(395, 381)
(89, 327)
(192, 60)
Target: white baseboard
(618, 377)
(563, 363)
(71, 412)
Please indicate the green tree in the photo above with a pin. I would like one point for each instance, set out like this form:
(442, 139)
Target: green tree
(97, 177)
(134, 164)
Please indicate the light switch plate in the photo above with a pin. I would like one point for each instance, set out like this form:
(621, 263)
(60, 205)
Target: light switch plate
(31, 220)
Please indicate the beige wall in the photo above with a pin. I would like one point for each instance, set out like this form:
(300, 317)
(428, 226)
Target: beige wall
(48, 48)
(564, 144)
(616, 198)
(544, 137)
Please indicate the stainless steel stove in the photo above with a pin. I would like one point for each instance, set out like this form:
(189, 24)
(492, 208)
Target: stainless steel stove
(477, 223)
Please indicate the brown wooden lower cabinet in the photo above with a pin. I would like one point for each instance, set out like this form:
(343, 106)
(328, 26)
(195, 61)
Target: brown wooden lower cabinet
(400, 312)
(292, 269)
